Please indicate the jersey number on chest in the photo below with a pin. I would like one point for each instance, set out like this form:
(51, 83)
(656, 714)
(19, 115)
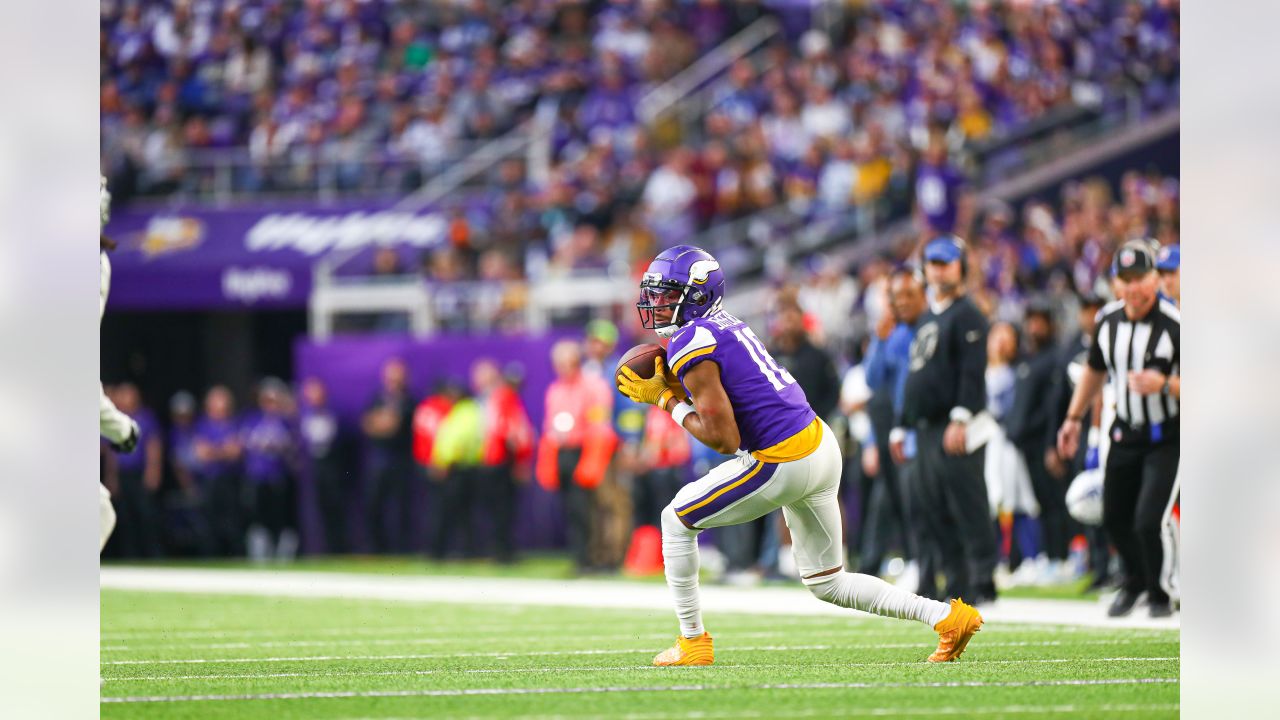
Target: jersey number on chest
(777, 376)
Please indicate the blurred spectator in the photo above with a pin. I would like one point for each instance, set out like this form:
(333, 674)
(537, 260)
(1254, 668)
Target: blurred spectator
(663, 461)
(218, 452)
(1169, 263)
(612, 498)
(1009, 488)
(811, 367)
(577, 444)
(270, 463)
(1071, 359)
(388, 425)
(185, 522)
(668, 199)
(886, 367)
(1028, 425)
(134, 481)
(830, 295)
(326, 448)
(938, 189)
(508, 453)
(456, 456)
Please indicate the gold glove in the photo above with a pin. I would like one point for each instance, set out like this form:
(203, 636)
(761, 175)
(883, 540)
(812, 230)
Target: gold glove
(653, 391)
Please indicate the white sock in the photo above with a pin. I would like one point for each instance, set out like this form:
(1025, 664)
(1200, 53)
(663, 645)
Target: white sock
(680, 557)
(871, 594)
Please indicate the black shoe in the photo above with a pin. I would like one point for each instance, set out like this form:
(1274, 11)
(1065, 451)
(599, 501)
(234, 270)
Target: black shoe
(1160, 609)
(985, 594)
(1123, 604)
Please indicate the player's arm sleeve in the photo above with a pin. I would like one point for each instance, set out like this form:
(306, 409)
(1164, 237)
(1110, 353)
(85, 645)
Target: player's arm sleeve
(971, 354)
(688, 347)
(112, 424)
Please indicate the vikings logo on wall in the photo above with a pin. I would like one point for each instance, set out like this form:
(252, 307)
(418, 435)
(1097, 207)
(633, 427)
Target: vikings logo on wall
(169, 234)
(925, 344)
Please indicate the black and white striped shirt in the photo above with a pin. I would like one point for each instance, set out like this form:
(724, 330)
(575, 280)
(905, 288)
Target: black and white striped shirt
(1151, 342)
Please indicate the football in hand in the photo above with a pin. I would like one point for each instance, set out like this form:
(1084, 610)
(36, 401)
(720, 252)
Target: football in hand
(640, 360)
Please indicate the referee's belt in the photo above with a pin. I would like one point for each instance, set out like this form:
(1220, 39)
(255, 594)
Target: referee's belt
(1123, 433)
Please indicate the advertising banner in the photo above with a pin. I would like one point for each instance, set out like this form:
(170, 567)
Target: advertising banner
(203, 258)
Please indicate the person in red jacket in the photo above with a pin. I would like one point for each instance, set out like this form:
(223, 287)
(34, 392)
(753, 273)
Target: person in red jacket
(427, 418)
(577, 443)
(508, 452)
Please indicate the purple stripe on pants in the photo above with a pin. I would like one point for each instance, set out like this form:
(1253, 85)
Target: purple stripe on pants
(732, 496)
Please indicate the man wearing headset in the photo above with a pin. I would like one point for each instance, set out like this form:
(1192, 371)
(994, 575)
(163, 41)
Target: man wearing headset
(944, 401)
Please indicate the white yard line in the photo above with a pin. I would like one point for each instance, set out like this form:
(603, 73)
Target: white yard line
(618, 668)
(503, 633)
(596, 594)
(861, 711)
(615, 651)
(462, 692)
(507, 638)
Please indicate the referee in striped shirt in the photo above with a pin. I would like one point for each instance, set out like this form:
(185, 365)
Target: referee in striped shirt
(1136, 344)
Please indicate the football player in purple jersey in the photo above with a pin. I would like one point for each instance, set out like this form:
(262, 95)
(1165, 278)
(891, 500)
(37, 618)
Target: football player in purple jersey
(724, 388)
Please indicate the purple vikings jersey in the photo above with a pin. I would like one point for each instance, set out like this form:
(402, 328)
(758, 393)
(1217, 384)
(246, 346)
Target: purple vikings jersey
(774, 418)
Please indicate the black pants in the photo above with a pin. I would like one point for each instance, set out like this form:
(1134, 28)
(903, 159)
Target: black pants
(390, 486)
(1051, 495)
(956, 513)
(456, 491)
(496, 495)
(273, 507)
(137, 530)
(224, 508)
(579, 504)
(884, 508)
(1139, 481)
(926, 549)
(332, 495)
(652, 492)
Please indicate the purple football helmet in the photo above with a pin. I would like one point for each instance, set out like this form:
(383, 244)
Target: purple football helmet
(685, 280)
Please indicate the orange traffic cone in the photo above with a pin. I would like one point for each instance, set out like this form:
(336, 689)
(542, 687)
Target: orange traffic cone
(644, 555)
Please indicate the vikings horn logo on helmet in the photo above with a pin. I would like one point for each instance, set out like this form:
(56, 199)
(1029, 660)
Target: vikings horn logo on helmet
(701, 270)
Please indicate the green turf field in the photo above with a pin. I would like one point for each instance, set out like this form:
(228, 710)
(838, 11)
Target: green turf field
(324, 658)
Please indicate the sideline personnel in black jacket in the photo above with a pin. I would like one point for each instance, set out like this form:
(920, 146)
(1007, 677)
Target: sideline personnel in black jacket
(1028, 422)
(945, 392)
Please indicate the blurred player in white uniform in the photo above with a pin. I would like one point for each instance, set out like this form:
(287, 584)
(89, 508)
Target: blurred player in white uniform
(119, 429)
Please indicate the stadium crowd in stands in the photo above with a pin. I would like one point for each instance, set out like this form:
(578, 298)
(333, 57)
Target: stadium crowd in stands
(378, 94)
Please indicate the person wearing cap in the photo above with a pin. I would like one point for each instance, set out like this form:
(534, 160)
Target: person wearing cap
(1136, 343)
(945, 400)
(1169, 265)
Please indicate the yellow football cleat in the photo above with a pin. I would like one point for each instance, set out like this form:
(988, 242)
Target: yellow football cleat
(687, 651)
(955, 631)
